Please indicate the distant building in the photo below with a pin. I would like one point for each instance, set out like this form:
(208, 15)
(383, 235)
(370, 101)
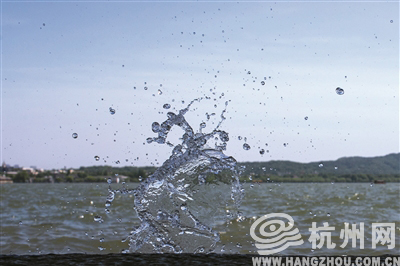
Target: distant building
(30, 170)
(12, 172)
(5, 180)
(120, 178)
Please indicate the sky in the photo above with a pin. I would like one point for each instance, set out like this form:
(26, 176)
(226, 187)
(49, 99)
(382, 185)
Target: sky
(277, 64)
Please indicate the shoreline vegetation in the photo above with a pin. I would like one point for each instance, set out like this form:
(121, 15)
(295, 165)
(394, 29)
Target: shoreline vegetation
(351, 169)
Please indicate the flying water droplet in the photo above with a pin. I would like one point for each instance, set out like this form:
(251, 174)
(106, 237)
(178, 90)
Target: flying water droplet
(75, 135)
(262, 151)
(96, 158)
(246, 147)
(156, 127)
(339, 91)
(263, 83)
(159, 92)
(321, 165)
(166, 106)
(306, 118)
(112, 111)
(98, 219)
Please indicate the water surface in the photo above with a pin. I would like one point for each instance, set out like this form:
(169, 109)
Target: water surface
(59, 218)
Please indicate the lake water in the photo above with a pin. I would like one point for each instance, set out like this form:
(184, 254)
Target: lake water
(59, 218)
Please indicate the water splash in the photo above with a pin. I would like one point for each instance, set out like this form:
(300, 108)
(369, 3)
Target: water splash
(177, 204)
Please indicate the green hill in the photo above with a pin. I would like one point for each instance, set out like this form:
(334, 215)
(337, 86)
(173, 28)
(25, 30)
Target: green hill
(347, 169)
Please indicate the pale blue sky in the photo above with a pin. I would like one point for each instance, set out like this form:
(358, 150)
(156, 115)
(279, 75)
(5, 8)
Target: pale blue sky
(65, 63)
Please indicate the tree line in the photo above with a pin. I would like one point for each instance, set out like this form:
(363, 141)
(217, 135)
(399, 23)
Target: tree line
(352, 169)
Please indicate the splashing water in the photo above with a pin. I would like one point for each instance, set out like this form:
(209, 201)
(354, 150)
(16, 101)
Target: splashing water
(177, 204)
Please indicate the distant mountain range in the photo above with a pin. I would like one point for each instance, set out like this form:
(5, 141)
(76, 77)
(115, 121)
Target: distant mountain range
(382, 165)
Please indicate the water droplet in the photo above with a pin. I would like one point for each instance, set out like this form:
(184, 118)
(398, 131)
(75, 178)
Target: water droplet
(306, 118)
(339, 91)
(238, 245)
(336, 167)
(20, 223)
(246, 147)
(145, 88)
(75, 135)
(262, 151)
(391, 21)
(166, 106)
(98, 219)
(285, 144)
(109, 180)
(96, 158)
(248, 72)
(155, 127)
(239, 138)
(321, 165)
(112, 111)
(102, 239)
(203, 125)
(159, 92)
(328, 214)
(262, 82)
(101, 248)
